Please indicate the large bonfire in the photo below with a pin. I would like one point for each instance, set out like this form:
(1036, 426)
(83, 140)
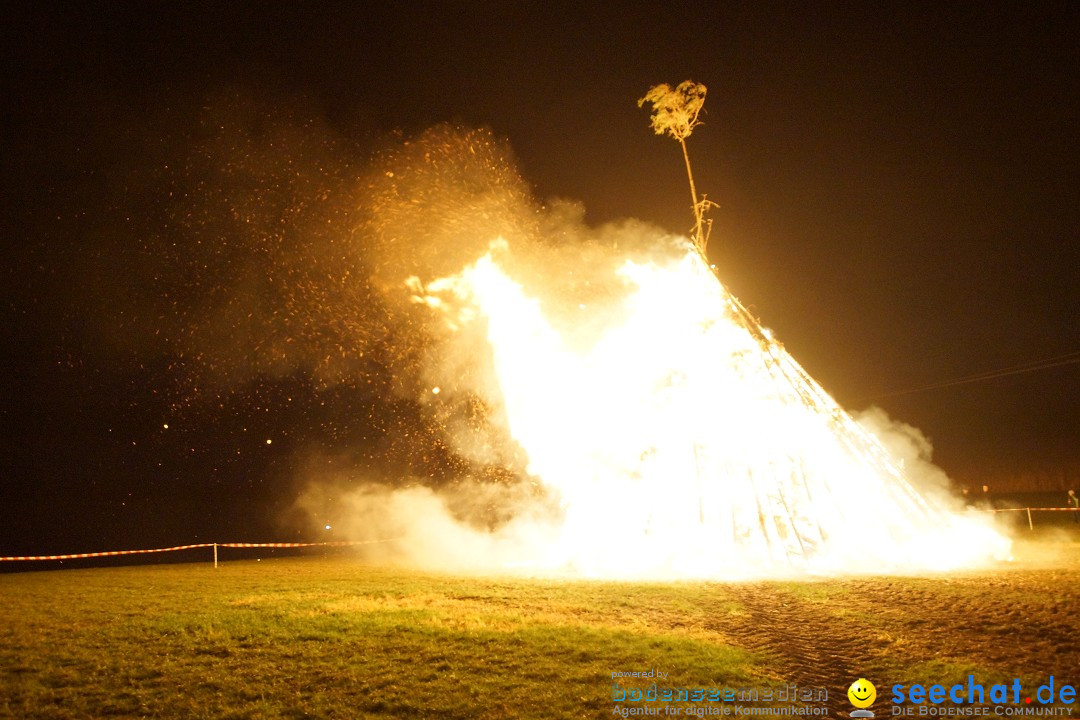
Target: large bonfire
(676, 435)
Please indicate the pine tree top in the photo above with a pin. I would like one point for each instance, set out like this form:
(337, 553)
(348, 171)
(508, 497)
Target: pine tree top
(675, 110)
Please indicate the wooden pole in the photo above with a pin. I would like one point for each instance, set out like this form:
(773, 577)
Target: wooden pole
(215, 556)
(1030, 525)
(698, 239)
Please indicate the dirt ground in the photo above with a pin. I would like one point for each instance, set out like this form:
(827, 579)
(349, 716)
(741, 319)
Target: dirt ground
(1022, 621)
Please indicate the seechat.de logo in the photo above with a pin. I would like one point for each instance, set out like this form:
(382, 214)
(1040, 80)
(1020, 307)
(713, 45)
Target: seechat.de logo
(862, 694)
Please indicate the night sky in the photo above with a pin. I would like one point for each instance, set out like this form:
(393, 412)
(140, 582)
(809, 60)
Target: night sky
(899, 201)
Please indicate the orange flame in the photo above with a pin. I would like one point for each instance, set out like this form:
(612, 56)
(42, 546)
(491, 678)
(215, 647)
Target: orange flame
(682, 440)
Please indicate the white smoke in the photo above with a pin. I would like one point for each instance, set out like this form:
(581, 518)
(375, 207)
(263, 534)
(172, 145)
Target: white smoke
(436, 195)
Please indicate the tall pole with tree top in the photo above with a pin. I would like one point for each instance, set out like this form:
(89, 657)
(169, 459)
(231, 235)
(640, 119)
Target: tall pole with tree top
(675, 112)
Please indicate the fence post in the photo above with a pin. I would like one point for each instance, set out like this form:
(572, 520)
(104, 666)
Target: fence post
(215, 549)
(1030, 526)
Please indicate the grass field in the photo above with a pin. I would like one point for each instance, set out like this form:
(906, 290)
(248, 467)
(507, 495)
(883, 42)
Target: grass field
(334, 638)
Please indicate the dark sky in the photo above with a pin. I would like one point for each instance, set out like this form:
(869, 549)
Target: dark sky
(898, 186)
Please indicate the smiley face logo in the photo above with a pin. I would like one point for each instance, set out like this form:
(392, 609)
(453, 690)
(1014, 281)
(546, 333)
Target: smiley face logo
(862, 693)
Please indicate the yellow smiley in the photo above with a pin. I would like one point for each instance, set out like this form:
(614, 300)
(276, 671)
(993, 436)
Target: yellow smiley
(862, 693)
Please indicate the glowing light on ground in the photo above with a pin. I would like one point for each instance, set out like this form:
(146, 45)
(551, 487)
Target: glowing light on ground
(682, 440)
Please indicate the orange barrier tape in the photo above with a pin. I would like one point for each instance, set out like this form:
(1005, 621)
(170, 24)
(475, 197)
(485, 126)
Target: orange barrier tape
(104, 554)
(110, 553)
(336, 543)
(1035, 509)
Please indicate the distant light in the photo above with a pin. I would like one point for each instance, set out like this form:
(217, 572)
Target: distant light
(166, 426)
(327, 527)
(435, 391)
(268, 441)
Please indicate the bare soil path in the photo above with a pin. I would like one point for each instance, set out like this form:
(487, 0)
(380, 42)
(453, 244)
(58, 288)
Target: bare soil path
(1004, 624)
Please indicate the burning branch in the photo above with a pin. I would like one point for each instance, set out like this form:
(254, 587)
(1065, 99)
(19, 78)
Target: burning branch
(675, 113)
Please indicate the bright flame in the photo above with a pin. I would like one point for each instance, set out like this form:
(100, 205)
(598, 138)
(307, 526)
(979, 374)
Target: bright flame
(682, 440)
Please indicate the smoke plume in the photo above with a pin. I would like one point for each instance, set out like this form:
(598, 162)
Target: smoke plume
(386, 284)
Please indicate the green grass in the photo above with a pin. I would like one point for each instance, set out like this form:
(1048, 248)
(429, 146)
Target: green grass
(333, 638)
